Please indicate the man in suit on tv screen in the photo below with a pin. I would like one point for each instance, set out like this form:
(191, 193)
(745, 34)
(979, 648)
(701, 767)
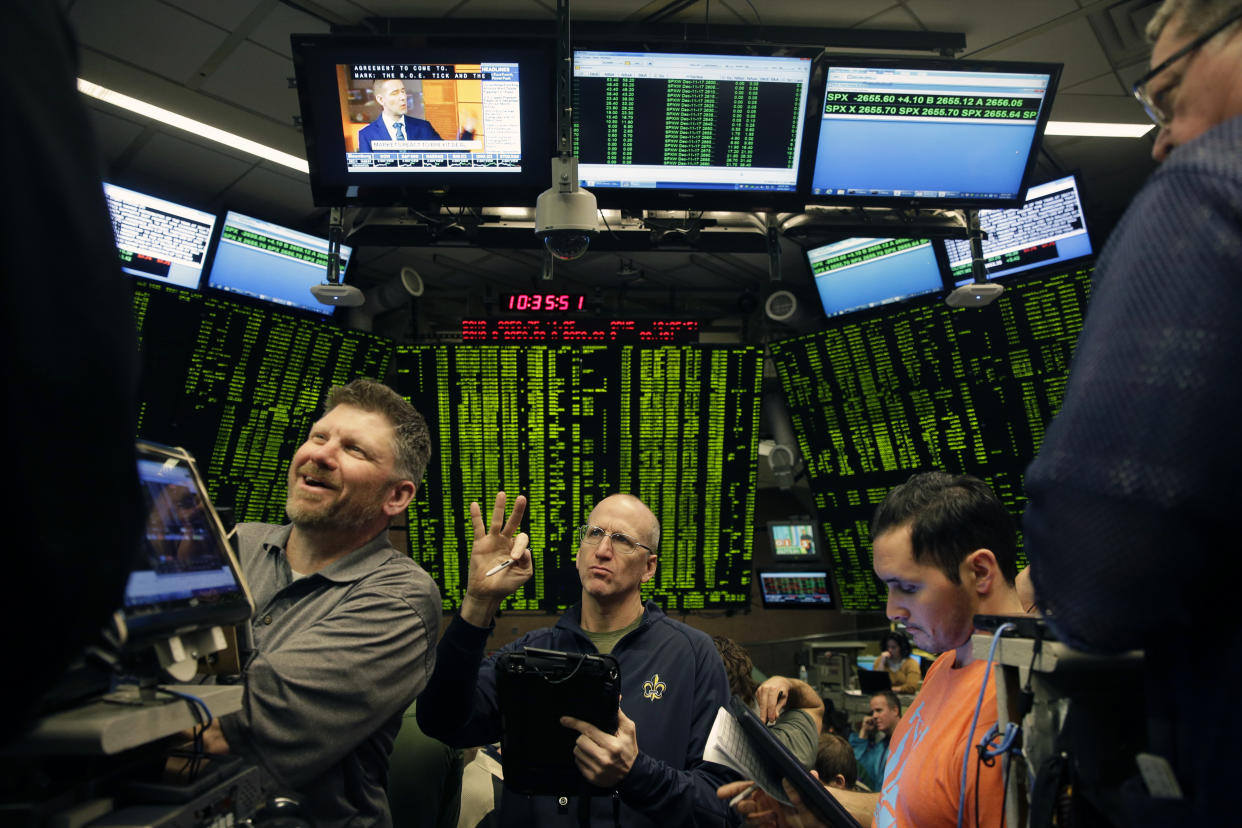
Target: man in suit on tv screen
(393, 124)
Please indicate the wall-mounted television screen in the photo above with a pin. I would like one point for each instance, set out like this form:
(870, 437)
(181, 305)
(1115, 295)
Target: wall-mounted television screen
(157, 239)
(802, 588)
(929, 132)
(678, 129)
(266, 261)
(855, 274)
(793, 540)
(1048, 229)
(398, 120)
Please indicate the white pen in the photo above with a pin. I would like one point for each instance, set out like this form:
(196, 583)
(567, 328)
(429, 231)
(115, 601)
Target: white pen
(489, 573)
(744, 794)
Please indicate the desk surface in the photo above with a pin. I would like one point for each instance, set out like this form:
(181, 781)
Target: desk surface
(117, 722)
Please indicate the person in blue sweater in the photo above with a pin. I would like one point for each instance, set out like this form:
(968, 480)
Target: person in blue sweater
(1132, 496)
(870, 744)
(672, 678)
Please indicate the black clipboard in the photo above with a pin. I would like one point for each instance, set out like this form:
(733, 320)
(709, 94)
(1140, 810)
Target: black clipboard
(536, 687)
(777, 758)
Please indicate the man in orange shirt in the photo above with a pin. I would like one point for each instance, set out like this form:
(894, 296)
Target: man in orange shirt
(944, 546)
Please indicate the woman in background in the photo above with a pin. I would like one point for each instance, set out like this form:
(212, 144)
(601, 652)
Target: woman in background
(902, 667)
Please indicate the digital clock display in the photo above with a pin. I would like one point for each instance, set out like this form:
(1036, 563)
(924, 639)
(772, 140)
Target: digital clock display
(544, 302)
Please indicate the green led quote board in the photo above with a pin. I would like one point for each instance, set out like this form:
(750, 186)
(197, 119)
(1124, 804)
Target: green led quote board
(567, 425)
(877, 396)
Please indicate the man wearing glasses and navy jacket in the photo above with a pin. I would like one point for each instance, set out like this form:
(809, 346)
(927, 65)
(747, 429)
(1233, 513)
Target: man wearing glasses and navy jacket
(672, 679)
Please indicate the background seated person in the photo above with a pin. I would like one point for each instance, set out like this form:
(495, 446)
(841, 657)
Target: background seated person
(672, 679)
(870, 745)
(393, 124)
(902, 667)
(835, 764)
(790, 707)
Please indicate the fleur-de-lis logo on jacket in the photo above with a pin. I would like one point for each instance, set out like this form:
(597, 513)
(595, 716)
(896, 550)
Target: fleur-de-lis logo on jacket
(653, 688)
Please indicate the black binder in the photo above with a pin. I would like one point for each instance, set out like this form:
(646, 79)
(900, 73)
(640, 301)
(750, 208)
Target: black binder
(536, 687)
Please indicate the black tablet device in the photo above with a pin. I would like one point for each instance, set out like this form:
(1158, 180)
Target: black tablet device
(776, 756)
(537, 687)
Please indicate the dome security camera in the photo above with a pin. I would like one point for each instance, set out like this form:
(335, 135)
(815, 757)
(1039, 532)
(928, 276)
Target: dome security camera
(565, 213)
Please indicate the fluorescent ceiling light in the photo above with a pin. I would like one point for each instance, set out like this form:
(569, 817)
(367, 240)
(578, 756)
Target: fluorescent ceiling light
(190, 125)
(1097, 130)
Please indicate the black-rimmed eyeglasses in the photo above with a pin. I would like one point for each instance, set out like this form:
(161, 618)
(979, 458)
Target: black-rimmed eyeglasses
(1154, 109)
(594, 536)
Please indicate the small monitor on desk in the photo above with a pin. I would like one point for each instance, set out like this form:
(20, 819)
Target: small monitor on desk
(793, 540)
(795, 589)
(185, 577)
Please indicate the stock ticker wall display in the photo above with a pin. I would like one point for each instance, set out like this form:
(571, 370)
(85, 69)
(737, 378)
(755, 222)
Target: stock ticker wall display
(566, 425)
(238, 385)
(881, 394)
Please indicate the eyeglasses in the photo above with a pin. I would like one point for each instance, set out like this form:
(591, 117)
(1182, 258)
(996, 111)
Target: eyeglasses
(594, 536)
(1155, 109)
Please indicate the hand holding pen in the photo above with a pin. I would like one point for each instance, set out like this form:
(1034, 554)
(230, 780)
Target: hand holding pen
(500, 560)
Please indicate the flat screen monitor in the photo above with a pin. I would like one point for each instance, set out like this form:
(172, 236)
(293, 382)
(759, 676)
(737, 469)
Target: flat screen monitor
(397, 120)
(157, 239)
(803, 588)
(855, 274)
(929, 132)
(676, 129)
(276, 264)
(1049, 229)
(186, 577)
(793, 540)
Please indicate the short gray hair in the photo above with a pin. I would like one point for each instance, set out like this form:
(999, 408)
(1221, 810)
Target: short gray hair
(1194, 16)
(411, 439)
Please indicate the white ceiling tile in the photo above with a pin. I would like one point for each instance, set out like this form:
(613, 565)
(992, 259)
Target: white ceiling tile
(113, 133)
(986, 22)
(257, 79)
(1072, 43)
(273, 196)
(226, 14)
(1105, 84)
(159, 38)
(186, 164)
(274, 30)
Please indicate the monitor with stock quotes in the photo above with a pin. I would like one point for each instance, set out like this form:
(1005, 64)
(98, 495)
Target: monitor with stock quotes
(936, 133)
(880, 395)
(1048, 230)
(567, 425)
(262, 260)
(807, 589)
(854, 274)
(685, 129)
(158, 239)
